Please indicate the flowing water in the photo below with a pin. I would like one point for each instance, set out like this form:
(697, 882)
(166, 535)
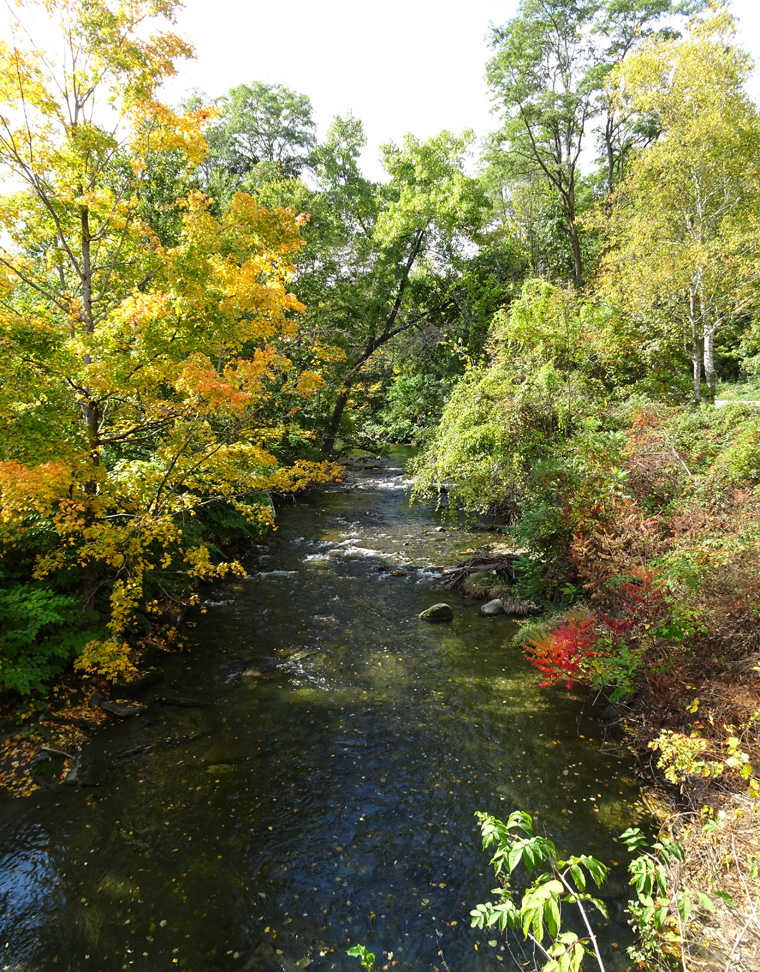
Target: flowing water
(327, 801)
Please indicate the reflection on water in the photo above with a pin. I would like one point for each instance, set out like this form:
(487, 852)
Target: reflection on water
(330, 798)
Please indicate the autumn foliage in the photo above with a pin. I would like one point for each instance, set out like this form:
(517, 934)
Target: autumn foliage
(667, 568)
(568, 650)
(145, 366)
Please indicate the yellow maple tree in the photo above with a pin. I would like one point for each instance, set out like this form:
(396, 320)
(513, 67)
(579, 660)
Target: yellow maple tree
(144, 366)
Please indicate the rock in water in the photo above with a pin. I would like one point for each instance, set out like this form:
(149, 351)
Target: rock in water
(217, 769)
(270, 666)
(496, 606)
(438, 612)
(121, 709)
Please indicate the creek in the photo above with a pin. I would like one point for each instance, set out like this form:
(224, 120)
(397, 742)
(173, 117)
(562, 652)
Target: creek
(329, 801)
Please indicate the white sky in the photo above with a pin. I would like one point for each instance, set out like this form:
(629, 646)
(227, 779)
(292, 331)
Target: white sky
(400, 66)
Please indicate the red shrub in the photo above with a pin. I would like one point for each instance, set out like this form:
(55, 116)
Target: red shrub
(566, 651)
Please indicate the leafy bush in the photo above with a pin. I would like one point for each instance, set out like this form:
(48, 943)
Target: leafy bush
(538, 913)
(40, 633)
(567, 651)
(741, 391)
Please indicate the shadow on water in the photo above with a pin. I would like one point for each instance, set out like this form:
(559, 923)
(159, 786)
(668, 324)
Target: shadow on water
(330, 798)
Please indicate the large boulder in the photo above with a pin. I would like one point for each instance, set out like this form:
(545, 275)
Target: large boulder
(496, 606)
(438, 612)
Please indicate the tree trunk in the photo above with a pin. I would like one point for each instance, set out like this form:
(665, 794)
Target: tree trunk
(696, 358)
(696, 343)
(91, 418)
(335, 419)
(709, 358)
(572, 232)
(373, 344)
(577, 260)
(696, 392)
(610, 152)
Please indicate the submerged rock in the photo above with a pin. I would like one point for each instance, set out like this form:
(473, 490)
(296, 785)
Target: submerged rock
(496, 606)
(268, 667)
(300, 654)
(122, 710)
(438, 612)
(83, 772)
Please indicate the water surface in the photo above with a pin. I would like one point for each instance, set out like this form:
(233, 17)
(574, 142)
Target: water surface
(329, 803)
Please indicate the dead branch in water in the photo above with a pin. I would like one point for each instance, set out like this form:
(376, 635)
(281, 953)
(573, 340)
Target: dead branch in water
(503, 563)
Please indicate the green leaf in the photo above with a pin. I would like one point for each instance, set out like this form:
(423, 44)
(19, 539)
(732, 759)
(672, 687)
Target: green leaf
(596, 869)
(521, 820)
(684, 906)
(662, 878)
(552, 916)
(514, 857)
(532, 855)
(705, 901)
(368, 958)
(596, 902)
(633, 838)
(576, 873)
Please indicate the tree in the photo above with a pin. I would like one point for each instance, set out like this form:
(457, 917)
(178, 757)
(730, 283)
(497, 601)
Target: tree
(379, 259)
(622, 25)
(398, 261)
(141, 379)
(263, 130)
(548, 75)
(542, 76)
(683, 235)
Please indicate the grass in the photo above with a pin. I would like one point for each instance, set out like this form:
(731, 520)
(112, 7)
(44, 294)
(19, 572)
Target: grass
(739, 391)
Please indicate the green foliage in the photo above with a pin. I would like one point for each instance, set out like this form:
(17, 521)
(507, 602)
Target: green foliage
(739, 391)
(227, 524)
(413, 407)
(662, 912)
(40, 633)
(264, 130)
(663, 903)
(538, 912)
(619, 671)
(524, 435)
(548, 72)
(739, 462)
(682, 249)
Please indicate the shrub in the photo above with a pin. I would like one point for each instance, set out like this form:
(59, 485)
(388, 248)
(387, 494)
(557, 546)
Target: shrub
(567, 651)
(40, 633)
